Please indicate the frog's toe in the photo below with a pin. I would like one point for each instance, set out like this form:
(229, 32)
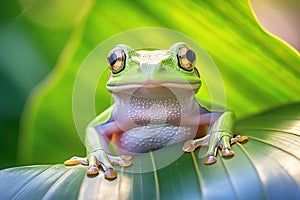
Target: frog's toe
(110, 173)
(124, 157)
(123, 161)
(92, 170)
(210, 159)
(241, 139)
(189, 146)
(227, 152)
(238, 138)
(75, 161)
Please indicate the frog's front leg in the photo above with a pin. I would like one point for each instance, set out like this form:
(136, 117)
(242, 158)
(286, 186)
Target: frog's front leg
(96, 156)
(220, 135)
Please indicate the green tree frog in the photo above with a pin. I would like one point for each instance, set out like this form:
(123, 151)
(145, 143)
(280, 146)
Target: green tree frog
(155, 106)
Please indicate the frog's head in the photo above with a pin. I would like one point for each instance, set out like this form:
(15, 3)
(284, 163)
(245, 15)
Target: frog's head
(172, 68)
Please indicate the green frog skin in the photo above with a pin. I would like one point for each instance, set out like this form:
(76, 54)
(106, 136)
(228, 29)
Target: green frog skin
(155, 106)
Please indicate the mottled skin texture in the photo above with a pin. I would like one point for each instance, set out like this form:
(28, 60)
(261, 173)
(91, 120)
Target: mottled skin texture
(155, 106)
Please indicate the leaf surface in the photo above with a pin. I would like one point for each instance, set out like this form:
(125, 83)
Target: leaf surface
(265, 167)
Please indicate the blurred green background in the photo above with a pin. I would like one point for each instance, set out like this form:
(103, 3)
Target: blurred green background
(37, 36)
(28, 52)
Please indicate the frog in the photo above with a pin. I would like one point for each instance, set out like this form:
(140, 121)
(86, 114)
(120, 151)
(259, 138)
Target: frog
(155, 105)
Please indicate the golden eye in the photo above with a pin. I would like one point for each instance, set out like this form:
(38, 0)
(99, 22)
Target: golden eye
(186, 58)
(116, 60)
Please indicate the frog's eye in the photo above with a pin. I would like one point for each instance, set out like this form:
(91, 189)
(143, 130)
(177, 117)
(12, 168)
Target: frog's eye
(116, 60)
(186, 58)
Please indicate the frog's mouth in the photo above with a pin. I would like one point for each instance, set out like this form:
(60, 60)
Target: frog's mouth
(173, 85)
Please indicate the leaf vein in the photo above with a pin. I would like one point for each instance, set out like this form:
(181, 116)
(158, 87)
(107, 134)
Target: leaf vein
(155, 176)
(275, 146)
(257, 171)
(198, 175)
(32, 180)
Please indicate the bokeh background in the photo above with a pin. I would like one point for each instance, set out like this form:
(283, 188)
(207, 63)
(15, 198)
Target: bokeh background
(33, 35)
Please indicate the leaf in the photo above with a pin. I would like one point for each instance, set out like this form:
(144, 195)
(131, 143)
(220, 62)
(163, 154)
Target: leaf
(266, 167)
(241, 65)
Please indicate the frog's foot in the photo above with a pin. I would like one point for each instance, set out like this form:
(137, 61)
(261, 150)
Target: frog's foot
(223, 141)
(100, 159)
(191, 145)
(218, 140)
(95, 162)
(123, 161)
(93, 166)
(76, 161)
(226, 151)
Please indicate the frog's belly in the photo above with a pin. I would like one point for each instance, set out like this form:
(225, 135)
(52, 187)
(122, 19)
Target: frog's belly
(145, 138)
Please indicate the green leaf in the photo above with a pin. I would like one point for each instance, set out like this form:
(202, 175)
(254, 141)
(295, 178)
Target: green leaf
(265, 167)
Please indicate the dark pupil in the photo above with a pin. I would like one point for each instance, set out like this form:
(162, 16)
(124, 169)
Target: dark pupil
(190, 55)
(112, 59)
